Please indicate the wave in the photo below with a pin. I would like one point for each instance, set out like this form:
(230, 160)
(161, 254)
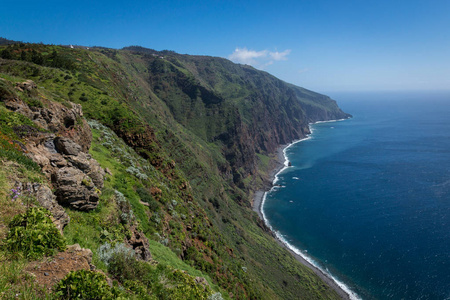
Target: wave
(329, 121)
(286, 161)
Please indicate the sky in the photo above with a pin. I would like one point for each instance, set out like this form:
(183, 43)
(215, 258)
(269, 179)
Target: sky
(322, 45)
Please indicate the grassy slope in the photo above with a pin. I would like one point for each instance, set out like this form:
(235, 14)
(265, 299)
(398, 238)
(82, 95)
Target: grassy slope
(114, 86)
(91, 229)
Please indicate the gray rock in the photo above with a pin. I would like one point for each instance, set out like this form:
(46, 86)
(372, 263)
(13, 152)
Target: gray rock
(82, 253)
(50, 145)
(46, 198)
(89, 166)
(73, 248)
(202, 281)
(75, 189)
(67, 146)
(97, 173)
(80, 161)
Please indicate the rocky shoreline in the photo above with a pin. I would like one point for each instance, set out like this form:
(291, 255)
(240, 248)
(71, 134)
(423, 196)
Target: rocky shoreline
(258, 198)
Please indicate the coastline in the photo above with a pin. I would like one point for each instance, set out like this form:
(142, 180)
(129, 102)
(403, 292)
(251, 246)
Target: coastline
(259, 195)
(258, 201)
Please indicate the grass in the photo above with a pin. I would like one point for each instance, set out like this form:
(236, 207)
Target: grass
(164, 255)
(94, 228)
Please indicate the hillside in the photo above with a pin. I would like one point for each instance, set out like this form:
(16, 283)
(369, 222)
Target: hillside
(167, 149)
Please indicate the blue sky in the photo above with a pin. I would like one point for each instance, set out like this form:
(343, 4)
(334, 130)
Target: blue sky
(321, 45)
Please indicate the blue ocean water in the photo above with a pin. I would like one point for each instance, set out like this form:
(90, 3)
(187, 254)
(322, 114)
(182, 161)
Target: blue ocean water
(368, 199)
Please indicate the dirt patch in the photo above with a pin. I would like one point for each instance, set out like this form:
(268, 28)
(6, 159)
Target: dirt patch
(50, 270)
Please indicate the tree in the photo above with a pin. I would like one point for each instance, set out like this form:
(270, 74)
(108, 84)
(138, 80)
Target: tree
(37, 57)
(23, 55)
(6, 54)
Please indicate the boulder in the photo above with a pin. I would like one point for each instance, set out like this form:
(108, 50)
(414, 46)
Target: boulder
(26, 85)
(85, 253)
(76, 189)
(66, 146)
(89, 166)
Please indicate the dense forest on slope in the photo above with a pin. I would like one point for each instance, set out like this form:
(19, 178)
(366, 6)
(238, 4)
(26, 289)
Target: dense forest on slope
(181, 142)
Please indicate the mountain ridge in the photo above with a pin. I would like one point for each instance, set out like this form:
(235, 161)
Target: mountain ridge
(206, 129)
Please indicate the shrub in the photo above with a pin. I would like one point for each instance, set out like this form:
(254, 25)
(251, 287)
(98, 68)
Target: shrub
(216, 296)
(124, 266)
(187, 288)
(34, 103)
(161, 282)
(34, 234)
(148, 198)
(139, 289)
(6, 91)
(136, 172)
(106, 252)
(126, 215)
(84, 284)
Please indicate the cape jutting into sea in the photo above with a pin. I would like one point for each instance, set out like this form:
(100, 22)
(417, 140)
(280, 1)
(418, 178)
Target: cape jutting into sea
(368, 199)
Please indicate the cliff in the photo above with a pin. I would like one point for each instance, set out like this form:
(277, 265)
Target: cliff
(174, 147)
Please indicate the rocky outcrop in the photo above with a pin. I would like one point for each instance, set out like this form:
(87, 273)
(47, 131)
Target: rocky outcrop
(61, 150)
(75, 175)
(27, 85)
(66, 121)
(139, 243)
(75, 189)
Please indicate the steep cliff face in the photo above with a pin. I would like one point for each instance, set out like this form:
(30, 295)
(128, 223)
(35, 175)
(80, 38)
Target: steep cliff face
(243, 110)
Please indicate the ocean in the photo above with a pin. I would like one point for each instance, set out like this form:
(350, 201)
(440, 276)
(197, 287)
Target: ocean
(367, 199)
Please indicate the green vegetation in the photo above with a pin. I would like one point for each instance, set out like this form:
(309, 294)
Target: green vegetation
(160, 281)
(34, 234)
(11, 126)
(84, 284)
(185, 140)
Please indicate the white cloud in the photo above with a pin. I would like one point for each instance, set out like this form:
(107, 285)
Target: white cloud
(280, 55)
(245, 56)
(258, 59)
